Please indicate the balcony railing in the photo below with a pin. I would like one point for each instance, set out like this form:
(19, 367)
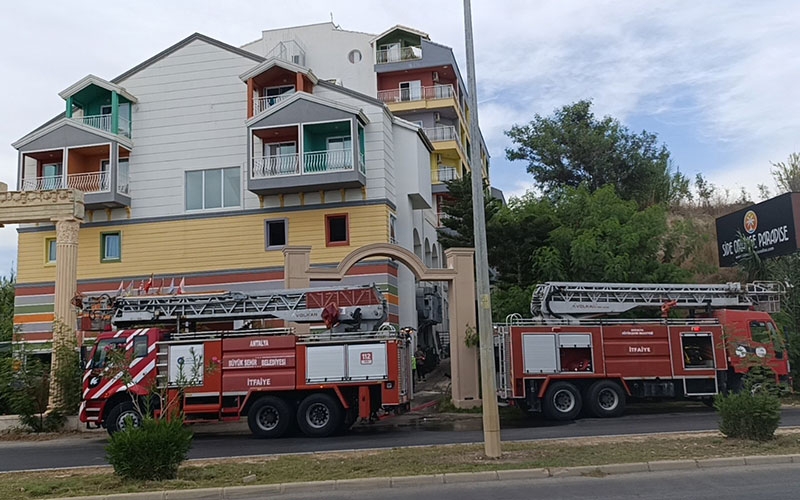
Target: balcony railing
(417, 94)
(398, 54)
(440, 134)
(275, 166)
(103, 122)
(444, 174)
(316, 162)
(96, 182)
(262, 103)
(327, 161)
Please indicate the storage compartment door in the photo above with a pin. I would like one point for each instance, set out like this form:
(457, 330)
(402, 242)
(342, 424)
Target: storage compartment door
(539, 353)
(367, 362)
(325, 363)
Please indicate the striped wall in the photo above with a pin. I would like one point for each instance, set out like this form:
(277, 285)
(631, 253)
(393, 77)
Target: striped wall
(212, 253)
(202, 245)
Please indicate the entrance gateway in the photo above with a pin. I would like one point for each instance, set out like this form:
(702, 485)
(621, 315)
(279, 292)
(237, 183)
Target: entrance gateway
(459, 274)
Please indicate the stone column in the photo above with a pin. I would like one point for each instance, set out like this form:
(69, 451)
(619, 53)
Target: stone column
(463, 359)
(65, 287)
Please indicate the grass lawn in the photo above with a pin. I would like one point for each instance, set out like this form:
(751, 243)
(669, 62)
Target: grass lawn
(398, 462)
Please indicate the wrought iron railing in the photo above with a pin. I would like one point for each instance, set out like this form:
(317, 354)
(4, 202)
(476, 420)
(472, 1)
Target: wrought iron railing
(95, 182)
(327, 161)
(275, 166)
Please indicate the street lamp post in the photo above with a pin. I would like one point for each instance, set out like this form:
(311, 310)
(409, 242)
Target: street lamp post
(491, 418)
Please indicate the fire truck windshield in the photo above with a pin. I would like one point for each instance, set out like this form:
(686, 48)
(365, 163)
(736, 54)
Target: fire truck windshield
(102, 349)
(764, 332)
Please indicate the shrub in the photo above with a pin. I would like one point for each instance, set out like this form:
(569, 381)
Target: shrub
(25, 386)
(151, 452)
(749, 414)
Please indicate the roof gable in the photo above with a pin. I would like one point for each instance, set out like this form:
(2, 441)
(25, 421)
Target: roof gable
(183, 43)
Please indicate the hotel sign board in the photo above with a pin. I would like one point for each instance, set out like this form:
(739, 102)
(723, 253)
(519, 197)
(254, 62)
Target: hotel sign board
(770, 225)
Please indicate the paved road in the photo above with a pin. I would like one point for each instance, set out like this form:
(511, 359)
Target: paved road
(737, 483)
(236, 441)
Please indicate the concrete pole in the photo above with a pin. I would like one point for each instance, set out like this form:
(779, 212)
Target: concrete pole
(66, 286)
(491, 418)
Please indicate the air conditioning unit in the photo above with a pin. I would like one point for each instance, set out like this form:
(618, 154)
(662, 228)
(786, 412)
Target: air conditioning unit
(435, 77)
(437, 117)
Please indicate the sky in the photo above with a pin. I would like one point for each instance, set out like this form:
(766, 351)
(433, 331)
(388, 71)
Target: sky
(717, 81)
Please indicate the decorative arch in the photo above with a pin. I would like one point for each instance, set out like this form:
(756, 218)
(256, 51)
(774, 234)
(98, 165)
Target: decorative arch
(398, 253)
(459, 273)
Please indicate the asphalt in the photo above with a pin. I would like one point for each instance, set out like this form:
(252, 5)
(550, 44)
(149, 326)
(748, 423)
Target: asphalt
(427, 394)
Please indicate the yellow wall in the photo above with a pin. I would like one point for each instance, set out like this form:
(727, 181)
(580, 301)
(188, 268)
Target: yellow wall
(214, 243)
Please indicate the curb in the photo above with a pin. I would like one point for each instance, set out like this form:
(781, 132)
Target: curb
(240, 492)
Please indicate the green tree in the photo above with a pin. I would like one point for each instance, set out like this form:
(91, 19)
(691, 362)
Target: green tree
(7, 307)
(573, 148)
(458, 229)
(580, 235)
(787, 174)
(602, 237)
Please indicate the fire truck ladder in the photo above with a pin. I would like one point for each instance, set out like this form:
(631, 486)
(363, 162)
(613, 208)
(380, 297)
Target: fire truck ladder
(567, 300)
(343, 308)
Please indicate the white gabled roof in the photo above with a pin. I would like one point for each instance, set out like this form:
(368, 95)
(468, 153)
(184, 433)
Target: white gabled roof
(311, 98)
(64, 121)
(403, 28)
(274, 61)
(95, 80)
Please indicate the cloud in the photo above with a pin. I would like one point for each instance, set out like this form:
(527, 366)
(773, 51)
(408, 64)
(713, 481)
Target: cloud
(724, 72)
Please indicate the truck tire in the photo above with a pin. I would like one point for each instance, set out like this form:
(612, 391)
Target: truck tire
(269, 417)
(562, 401)
(320, 415)
(117, 417)
(605, 399)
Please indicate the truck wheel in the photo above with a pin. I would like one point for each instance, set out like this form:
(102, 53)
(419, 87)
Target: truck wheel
(605, 399)
(269, 417)
(118, 417)
(562, 401)
(320, 415)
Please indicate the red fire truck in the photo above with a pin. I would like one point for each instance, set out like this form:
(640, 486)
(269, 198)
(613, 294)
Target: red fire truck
(573, 356)
(321, 382)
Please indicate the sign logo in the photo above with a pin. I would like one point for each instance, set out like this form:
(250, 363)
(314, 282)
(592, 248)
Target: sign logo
(366, 358)
(750, 222)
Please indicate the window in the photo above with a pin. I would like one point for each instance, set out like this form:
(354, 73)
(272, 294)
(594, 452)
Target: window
(336, 230)
(340, 153)
(393, 228)
(105, 109)
(51, 175)
(140, 346)
(50, 250)
(215, 188)
(110, 247)
(281, 158)
(275, 233)
(354, 56)
(411, 91)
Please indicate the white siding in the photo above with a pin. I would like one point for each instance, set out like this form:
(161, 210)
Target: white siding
(190, 116)
(326, 50)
